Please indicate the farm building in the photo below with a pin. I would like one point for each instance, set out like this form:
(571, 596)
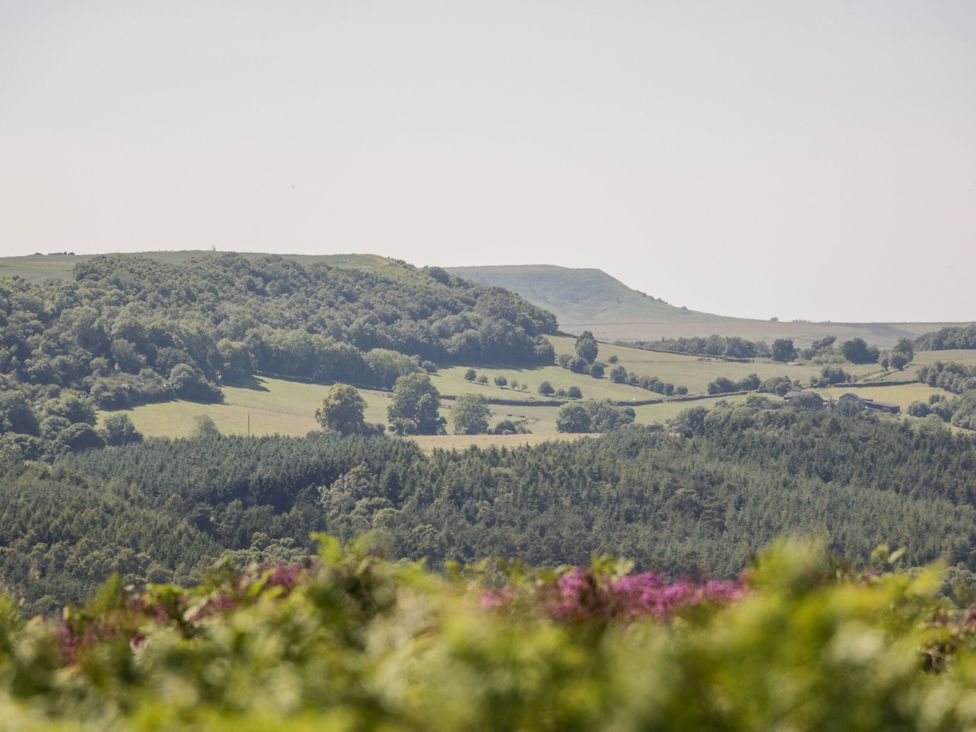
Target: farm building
(850, 398)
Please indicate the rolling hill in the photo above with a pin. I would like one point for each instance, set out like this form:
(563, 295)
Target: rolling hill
(581, 299)
(590, 299)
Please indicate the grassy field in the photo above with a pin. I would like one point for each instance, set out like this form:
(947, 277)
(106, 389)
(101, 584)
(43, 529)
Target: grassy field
(666, 411)
(451, 381)
(697, 372)
(274, 406)
(964, 356)
(278, 406)
(900, 394)
(287, 407)
(925, 358)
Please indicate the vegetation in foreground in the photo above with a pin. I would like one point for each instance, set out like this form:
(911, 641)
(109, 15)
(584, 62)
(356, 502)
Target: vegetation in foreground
(353, 642)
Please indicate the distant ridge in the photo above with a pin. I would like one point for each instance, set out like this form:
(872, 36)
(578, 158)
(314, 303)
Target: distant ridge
(59, 266)
(590, 299)
(581, 299)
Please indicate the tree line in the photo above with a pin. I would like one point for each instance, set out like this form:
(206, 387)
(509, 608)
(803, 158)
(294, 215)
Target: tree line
(698, 497)
(949, 338)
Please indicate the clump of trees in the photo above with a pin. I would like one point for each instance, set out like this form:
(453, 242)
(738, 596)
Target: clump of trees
(821, 349)
(586, 347)
(830, 375)
(592, 415)
(954, 377)
(470, 415)
(960, 411)
(724, 385)
(118, 429)
(858, 351)
(713, 345)
(620, 375)
(415, 407)
(950, 338)
(778, 385)
(783, 350)
(900, 356)
(342, 411)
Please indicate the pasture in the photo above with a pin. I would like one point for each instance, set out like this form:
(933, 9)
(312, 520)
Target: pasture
(901, 394)
(963, 356)
(666, 411)
(696, 372)
(451, 381)
(278, 406)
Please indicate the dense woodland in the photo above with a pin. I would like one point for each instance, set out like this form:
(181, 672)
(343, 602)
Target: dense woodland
(951, 338)
(127, 328)
(955, 377)
(714, 345)
(698, 499)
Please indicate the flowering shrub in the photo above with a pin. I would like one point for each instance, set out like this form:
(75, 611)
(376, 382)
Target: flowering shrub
(351, 641)
(584, 595)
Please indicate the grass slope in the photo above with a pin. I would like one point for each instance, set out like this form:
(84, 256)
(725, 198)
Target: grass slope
(900, 394)
(590, 299)
(280, 406)
(696, 372)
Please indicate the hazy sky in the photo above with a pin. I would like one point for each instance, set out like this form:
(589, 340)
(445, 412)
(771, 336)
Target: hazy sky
(798, 159)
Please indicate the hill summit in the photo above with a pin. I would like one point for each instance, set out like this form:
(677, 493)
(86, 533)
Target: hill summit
(590, 299)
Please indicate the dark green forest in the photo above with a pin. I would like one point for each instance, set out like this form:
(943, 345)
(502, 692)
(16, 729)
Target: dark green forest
(950, 338)
(955, 377)
(696, 500)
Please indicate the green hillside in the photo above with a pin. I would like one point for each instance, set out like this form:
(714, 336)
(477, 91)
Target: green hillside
(581, 299)
(590, 299)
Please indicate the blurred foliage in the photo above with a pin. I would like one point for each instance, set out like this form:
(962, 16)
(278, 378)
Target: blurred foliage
(351, 641)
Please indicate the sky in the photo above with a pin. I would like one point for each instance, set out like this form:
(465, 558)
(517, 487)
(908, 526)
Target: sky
(794, 159)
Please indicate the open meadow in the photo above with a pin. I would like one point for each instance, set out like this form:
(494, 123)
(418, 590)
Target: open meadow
(279, 406)
(901, 394)
(696, 372)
